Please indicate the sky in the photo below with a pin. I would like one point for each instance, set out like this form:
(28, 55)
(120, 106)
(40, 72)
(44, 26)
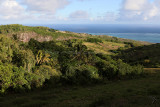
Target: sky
(79, 11)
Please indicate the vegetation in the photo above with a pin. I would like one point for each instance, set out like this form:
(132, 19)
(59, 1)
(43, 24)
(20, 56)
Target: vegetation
(44, 31)
(77, 61)
(147, 56)
(94, 40)
(142, 92)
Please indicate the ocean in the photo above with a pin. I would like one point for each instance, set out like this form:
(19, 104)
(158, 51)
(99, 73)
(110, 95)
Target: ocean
(149, 33)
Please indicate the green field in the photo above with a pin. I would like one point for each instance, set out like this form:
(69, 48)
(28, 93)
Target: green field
(140, 92)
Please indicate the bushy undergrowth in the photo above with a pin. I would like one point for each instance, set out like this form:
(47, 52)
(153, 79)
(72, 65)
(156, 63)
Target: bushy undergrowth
(147, 56)
(30, 65)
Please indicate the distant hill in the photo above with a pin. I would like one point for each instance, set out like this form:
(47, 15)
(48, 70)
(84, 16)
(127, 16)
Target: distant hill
(107, 45)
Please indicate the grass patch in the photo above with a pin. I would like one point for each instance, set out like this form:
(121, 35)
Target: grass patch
(104, 47)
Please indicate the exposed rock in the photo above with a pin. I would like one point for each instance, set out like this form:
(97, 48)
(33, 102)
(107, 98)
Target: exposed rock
(25, 37)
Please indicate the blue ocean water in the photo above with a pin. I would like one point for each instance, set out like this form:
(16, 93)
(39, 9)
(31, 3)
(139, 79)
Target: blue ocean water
(149, 37)
(150, 33)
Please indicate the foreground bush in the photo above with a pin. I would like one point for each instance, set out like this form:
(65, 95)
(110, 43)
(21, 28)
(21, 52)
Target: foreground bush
(127, 70)
(44, 73)
(17, 78)
(117, 69)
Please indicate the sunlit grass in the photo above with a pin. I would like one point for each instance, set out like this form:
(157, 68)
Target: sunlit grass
(104, 47)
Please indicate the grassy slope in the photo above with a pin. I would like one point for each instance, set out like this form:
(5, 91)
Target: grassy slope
(104, 47)
(109, 43)
(132, 93)
(44, 31)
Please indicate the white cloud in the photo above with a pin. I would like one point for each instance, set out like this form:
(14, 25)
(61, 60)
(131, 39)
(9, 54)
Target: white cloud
(10, 9)
(139, 10)
(107, 17)
(134, 5)
(33, 10)
(45, 6)
(79, 15)
(45, 11)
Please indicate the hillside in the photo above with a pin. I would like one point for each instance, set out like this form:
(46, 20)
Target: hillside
(32, 56)
(40, 66)
(148, 56)
(99, 44)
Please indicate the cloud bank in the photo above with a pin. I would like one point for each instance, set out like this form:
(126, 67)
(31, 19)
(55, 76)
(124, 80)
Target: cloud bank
(45, 6)
(139, 10)
(79, 15)
(10, 9)
(144, 11)
(30, 9)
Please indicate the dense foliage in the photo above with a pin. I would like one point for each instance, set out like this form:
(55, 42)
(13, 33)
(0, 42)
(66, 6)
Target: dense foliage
(33, 64)
(147, 56)
(18, 67)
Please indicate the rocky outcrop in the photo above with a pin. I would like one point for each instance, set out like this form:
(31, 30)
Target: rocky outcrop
(26, 36)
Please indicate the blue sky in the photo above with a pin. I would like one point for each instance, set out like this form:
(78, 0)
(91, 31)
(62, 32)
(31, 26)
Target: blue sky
(80, 11)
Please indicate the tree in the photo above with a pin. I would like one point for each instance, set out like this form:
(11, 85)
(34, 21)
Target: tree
(6, 74)
(80, 51)
(6, 52)
(24, 58)
(42, 58)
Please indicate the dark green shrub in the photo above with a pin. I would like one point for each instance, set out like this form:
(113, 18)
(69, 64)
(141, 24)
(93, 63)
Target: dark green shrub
(94, 40)
(89, 71)
(18, 78)
(104, 57)
(24, 58)
(6, 74)
(42, 74)
(107, 69)
(128, 70)
(83, 74)
(117, 69)
(13, 77)
(6, 46)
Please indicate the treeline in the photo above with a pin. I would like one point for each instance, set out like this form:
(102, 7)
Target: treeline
(31, 65)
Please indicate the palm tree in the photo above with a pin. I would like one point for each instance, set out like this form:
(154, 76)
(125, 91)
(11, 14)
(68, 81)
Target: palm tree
(80, 51)
(42, 58)
(39, 57)
(45, 58)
